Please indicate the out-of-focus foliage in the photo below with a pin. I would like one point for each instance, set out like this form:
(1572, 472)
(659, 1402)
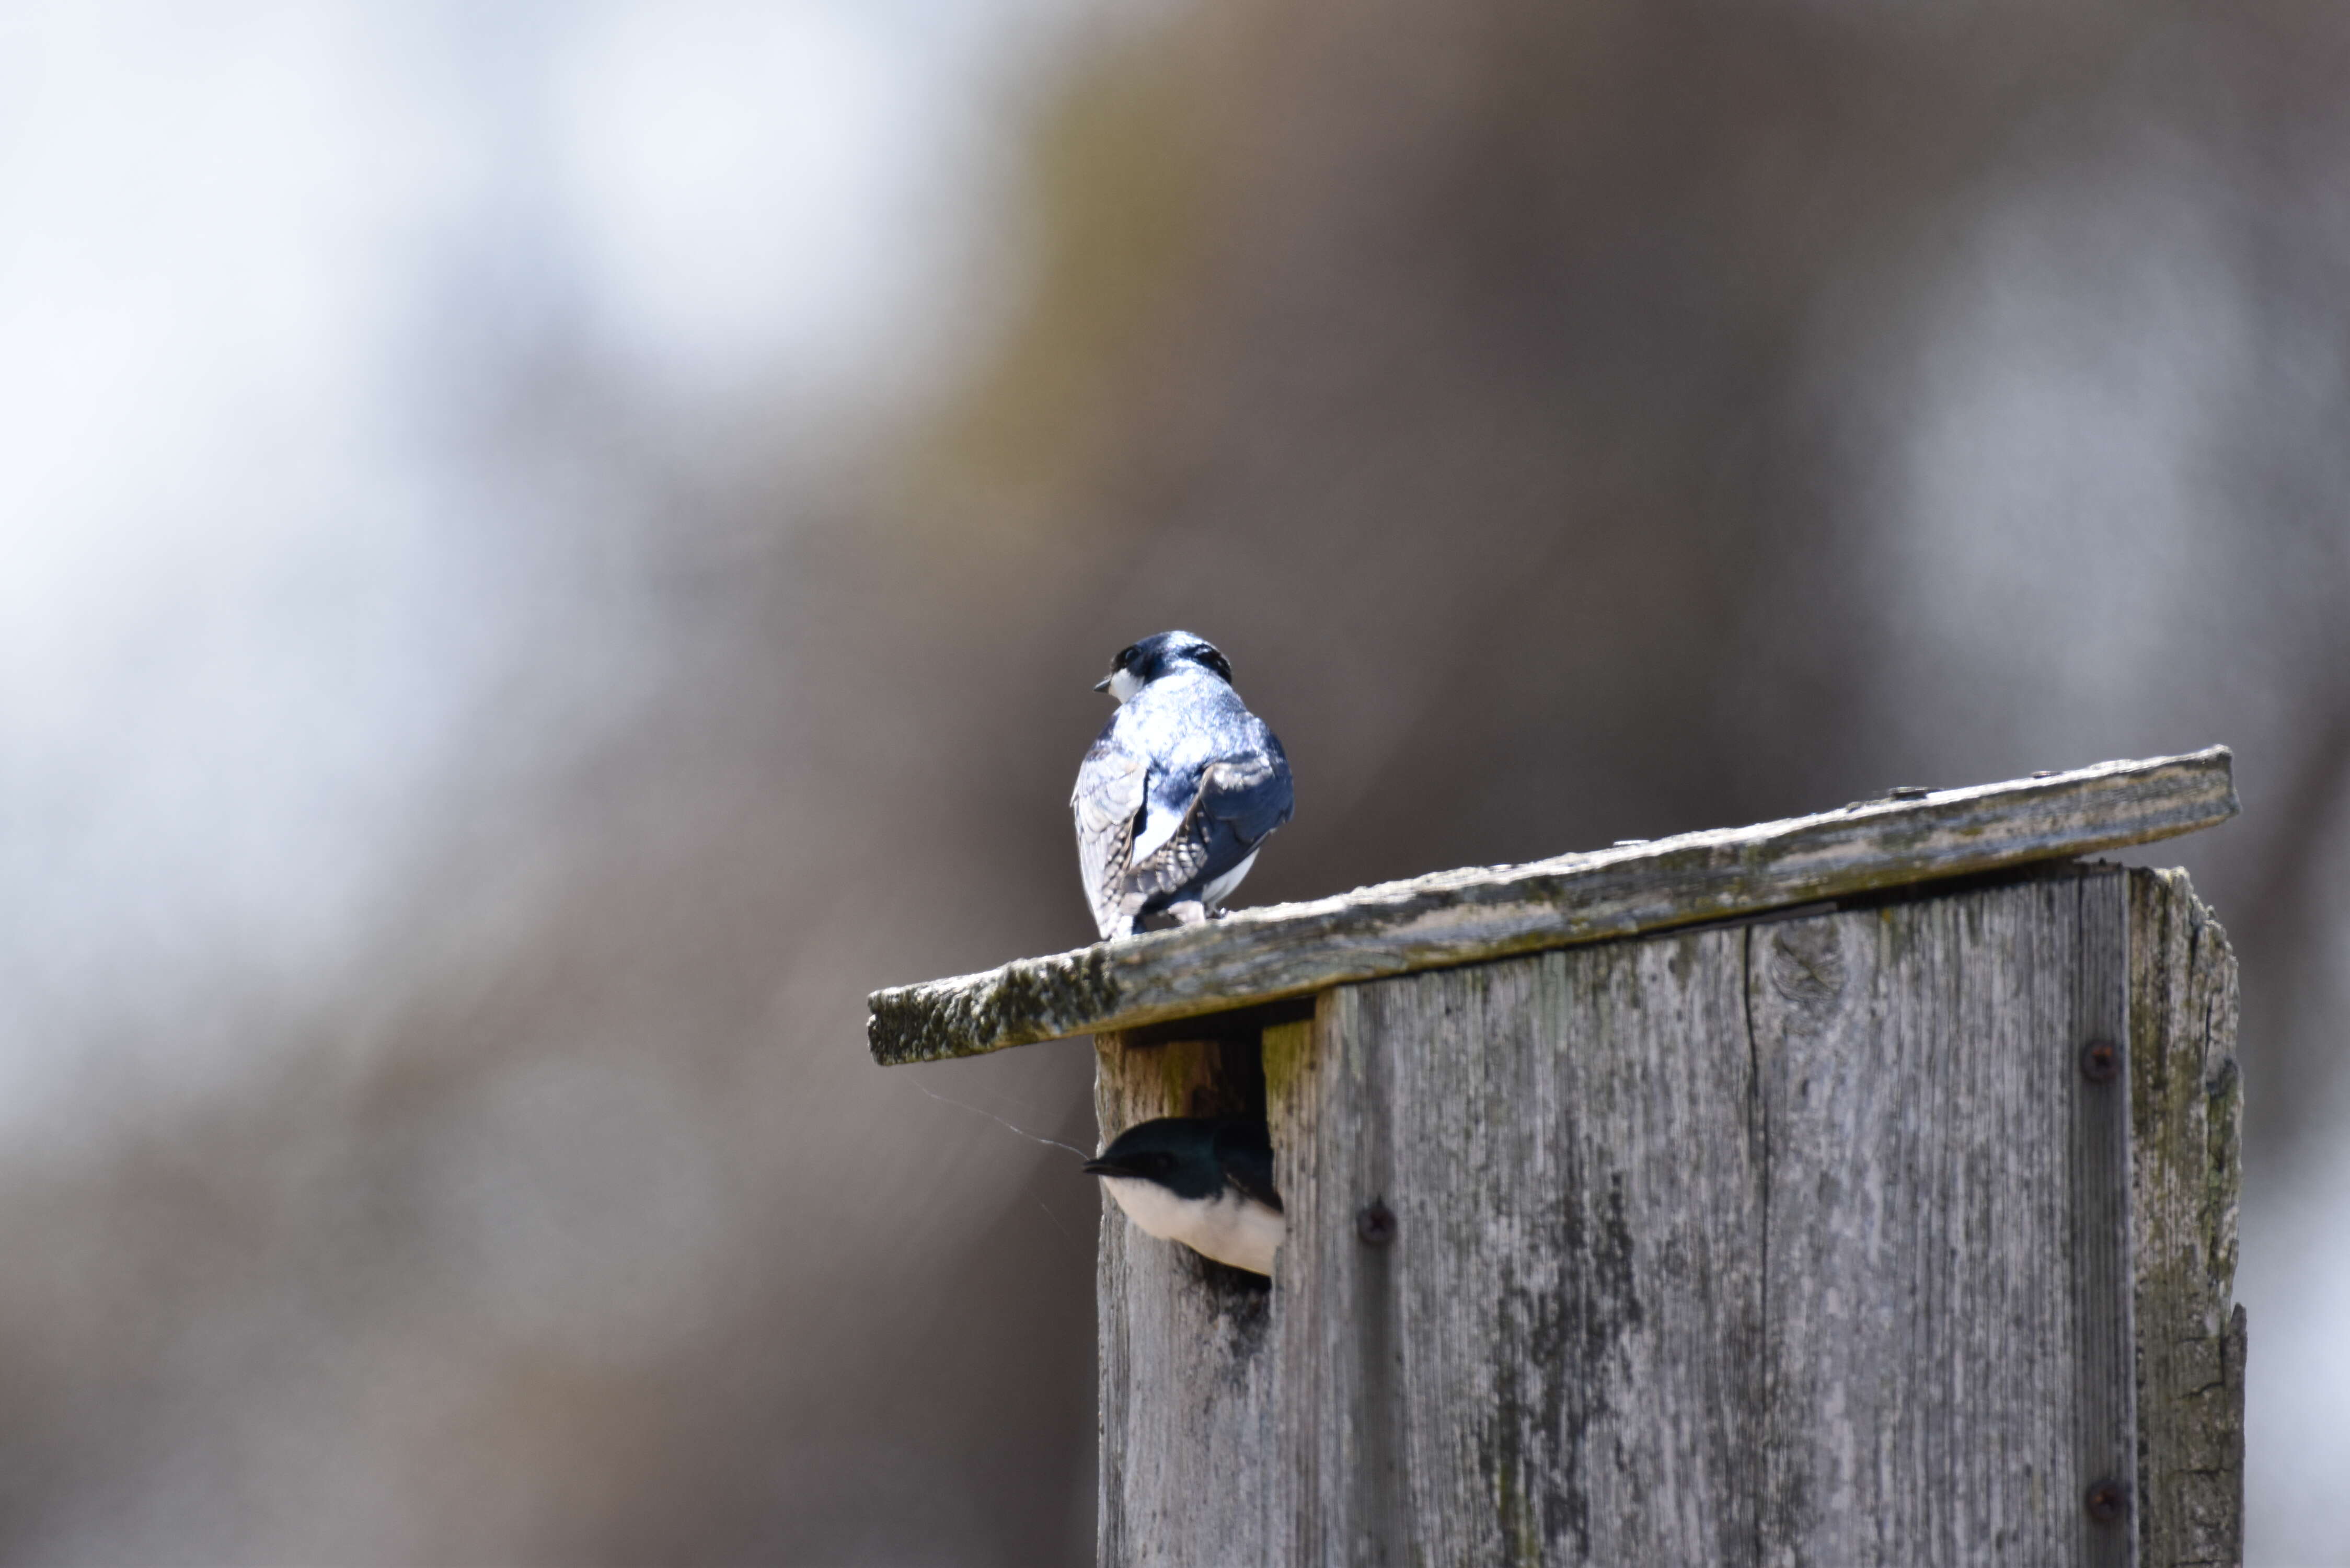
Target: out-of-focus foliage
(1576, 423)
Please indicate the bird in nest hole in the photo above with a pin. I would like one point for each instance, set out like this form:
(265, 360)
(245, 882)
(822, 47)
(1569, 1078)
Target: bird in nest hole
(1205, 1181)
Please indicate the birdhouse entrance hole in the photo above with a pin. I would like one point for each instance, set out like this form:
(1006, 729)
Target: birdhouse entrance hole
(1212, 1065)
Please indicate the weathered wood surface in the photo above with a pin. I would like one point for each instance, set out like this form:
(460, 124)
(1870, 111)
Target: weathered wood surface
(1803, 1241)
(1467, 916)
(1190, 1415)
(2187, 1115)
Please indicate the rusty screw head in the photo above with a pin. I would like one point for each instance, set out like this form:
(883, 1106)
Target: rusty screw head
(1376, 1224)
(2107, 1500)
(2101, 1063)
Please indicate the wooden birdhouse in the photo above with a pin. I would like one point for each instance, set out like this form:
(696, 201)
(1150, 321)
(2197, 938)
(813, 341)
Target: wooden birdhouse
(1858, 1188)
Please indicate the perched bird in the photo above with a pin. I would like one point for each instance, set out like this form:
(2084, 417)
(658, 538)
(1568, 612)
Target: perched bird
(1205, 1181)
(1179, 789)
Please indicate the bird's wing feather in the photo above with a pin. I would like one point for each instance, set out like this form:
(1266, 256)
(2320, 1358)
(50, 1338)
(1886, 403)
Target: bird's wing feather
(1250, 794)
(1245, 1152)
(1112, 784)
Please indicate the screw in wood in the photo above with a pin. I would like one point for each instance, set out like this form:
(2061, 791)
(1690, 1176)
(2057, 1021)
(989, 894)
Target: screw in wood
(1907, 792)
(1376, 1224)
(2100, 1062)
(2107, 1500)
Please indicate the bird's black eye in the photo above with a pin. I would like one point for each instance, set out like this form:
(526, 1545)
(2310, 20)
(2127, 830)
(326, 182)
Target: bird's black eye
(1124, 657)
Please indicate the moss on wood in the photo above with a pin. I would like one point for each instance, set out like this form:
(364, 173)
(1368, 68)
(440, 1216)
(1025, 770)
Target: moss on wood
(1488, 912)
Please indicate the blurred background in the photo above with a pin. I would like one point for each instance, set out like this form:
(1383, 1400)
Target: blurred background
(552, 548)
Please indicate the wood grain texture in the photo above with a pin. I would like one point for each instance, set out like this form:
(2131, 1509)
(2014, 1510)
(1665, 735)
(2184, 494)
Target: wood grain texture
(1571, 1301)
(1190, 1414)
(1947, 1362)
(2187, 1112)
(1480, 913)
(1800, 1242)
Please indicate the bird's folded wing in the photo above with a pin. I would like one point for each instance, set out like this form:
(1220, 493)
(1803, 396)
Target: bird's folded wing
(1245, 1152)
(1250, 794)
(1112, 786)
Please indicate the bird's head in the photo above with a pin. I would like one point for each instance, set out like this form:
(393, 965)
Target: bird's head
(1179, 1153)
(1140, 663)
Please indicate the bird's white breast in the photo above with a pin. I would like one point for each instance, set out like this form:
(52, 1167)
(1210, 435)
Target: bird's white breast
(1229, 1228)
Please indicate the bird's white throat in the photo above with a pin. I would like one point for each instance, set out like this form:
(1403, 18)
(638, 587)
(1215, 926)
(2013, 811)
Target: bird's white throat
(1123, 685)
(1229, 1228)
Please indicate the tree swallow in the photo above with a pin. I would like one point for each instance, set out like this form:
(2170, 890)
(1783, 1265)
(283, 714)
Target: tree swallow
(1180, 790)
(1205, 1181)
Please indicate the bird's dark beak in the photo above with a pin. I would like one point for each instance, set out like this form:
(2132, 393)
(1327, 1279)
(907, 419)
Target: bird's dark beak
(1104, 1167)
(1103, 684)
